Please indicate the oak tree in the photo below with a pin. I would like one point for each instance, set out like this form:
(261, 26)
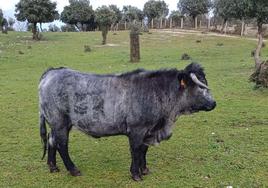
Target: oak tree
(36, 11)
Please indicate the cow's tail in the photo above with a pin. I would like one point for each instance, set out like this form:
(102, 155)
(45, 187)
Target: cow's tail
(43, 134)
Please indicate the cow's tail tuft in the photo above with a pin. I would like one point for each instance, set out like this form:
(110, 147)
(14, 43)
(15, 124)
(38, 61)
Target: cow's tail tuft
(43, 134)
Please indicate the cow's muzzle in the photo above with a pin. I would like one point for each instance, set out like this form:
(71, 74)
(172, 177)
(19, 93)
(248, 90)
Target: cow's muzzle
(211, 106)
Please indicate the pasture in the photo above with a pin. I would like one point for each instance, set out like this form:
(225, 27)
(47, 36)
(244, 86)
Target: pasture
(225, 147)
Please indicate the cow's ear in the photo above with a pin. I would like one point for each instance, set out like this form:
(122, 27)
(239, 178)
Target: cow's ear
(182, 80)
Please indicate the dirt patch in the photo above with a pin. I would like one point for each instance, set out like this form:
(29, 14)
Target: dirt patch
(179, 32)
(107, 45)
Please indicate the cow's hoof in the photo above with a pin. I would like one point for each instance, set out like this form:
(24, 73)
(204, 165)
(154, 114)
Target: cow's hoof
(136, 178)
(75, 172)
(145, 171)
(53, 169)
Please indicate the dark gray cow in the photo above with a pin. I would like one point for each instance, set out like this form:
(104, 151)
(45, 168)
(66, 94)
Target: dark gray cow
(142, 105)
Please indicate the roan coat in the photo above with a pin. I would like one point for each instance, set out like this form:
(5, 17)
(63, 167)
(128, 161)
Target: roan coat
(142, 105)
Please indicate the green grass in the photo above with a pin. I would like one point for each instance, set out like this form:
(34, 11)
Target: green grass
(228, 146)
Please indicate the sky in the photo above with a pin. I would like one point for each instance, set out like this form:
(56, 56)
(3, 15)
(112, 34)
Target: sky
(8, 6)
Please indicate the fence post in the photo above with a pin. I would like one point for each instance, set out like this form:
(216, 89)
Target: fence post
(134, 44)
(242, 27)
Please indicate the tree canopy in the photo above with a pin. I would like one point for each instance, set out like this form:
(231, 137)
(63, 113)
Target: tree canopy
(260, 11)
(131, 13)
(155, 9)
(36, 11)
(105, 16)
(224, 9)
(118, 13)
(242, 9)
(1, 16)
(175, 15)
(79, 11)
(194, 8)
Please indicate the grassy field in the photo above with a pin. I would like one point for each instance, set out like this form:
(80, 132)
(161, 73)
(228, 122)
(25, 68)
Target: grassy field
(225, 147)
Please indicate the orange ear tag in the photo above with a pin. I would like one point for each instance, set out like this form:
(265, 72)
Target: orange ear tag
(183, 84)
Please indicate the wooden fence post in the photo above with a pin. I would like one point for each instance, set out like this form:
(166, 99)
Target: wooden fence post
(134, 44)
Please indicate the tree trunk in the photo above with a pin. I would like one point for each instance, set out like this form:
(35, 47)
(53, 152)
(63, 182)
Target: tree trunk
(208, 23)
(170, 23)
(152, 22)
(245, 29)
(161, 23)
(223, 25)
(165, 24)
(112, 28)
(182, 23)
(125, 25)
(242, 27)
(41, 29)
(200, 24)
(104, 32)
(34, 30)
(215, 24)
(83, 27)
(4, 30)
(195, 22)
(77, 27)
(259, 46)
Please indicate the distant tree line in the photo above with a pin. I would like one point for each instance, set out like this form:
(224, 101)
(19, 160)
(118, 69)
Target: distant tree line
(6, 24)
(80, 16)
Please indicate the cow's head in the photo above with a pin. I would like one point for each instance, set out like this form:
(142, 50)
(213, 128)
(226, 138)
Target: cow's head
(195, 95)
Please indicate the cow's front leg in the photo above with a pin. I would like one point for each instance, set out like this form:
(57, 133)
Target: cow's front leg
(135, 159)
(143, 165)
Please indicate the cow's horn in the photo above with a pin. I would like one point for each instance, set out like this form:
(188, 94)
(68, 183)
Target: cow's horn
(198, 82)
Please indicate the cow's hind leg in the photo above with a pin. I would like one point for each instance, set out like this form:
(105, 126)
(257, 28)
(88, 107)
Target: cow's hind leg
(62, 138)
(143, 164)
(51, 159)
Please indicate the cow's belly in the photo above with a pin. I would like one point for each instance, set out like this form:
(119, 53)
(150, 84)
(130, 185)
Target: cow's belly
(100, 129)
